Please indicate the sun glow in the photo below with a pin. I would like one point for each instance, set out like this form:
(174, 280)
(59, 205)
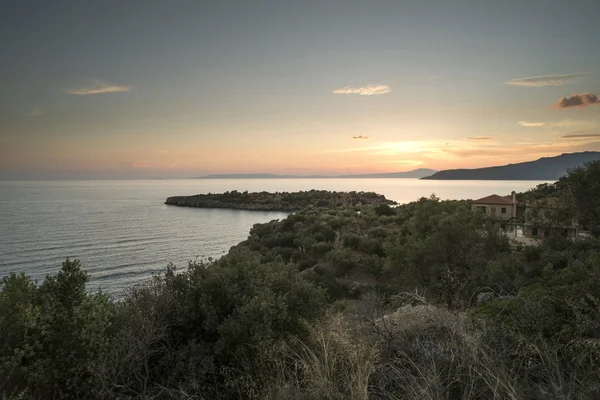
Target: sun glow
(408, 147)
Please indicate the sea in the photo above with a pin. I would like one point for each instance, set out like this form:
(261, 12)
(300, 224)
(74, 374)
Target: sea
(123, 233)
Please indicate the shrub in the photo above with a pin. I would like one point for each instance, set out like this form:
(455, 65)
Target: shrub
(50, 334)
(384, 209)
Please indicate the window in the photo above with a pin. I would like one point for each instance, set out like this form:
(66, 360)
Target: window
(493, 210)
(481, 208)
(503, 210)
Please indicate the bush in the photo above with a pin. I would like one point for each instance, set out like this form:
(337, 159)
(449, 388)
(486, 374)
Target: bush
(49, 335)
(384, 209)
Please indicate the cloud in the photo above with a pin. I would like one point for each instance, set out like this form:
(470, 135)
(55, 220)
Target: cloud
(578, 100)
(531, 124)
(570, 123)
(479, 138)
(355, 149)
(407, 162)
(576, 135)
(545, 80)
(98, 88)
(523, 150)
(139, 164)
(368, 90)
(360, 137)
(388, 148)
(35, 113)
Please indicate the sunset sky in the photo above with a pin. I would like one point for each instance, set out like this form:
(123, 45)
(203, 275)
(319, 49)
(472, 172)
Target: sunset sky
(134, 89)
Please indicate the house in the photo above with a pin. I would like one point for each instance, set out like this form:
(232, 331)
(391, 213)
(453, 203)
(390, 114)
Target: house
(502, 208)
(545, 216)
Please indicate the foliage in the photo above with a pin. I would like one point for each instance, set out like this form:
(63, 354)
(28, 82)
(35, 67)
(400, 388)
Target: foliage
(424, 300)
(280, 201)
(582, 185)
(450, 260)
(188, 329)
(50, 334)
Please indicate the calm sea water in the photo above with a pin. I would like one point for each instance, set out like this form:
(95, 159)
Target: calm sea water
(123, 233)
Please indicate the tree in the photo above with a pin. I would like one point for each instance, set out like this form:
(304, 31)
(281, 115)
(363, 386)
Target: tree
(50, 335)
(449, 261)
(205, 327)
(552, 214)
(582, 185)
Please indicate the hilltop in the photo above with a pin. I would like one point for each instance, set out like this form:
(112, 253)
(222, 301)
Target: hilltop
(544, 169)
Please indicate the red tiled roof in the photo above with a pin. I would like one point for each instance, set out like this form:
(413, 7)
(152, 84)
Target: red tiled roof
(494, 199)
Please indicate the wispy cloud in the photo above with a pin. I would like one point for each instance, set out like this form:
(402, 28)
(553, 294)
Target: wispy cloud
(35, 113)
(531, 124)
(355, 149)
(581, 135)
(524, 150)
(484, 151)
(546, 80)
(361, 137)
(138, 164)
(574, 124)
(407, 162)
(368, 90)
(578, 100)
(99, 88)
(479, 138)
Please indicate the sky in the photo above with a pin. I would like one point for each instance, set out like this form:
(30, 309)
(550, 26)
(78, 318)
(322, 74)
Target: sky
(175, 89)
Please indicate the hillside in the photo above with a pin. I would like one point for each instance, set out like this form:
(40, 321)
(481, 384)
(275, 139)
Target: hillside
(544, 169)
(357, 300)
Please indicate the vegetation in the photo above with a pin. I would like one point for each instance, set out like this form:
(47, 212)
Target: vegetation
(427, 300)
(278, 201)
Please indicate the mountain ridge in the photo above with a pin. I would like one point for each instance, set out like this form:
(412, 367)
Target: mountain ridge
(416, 173)
(542, 169)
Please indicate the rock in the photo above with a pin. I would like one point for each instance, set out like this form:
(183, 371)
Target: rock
(423, 316)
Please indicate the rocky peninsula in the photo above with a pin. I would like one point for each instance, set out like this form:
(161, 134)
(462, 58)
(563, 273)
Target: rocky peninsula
(278, 201)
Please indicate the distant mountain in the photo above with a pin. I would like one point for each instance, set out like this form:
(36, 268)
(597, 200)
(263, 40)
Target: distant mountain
(241, 176)
(417, 173)
(544, 169)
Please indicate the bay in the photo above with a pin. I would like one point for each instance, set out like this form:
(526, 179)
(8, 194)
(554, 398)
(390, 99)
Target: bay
(122, 232)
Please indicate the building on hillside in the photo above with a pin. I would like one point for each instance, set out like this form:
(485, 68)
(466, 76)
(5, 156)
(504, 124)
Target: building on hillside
(502, 208)
(545, 216)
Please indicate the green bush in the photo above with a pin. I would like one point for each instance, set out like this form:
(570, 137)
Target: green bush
(50, 334)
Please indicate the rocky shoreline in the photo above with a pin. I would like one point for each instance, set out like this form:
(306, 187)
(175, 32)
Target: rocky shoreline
(278, 201)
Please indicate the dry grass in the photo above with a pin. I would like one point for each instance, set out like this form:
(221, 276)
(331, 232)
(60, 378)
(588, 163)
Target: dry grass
(424, 352)
(417, 352)
(331, 365)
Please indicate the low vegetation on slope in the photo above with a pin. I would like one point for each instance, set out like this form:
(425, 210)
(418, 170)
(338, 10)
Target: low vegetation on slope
(427, 300)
